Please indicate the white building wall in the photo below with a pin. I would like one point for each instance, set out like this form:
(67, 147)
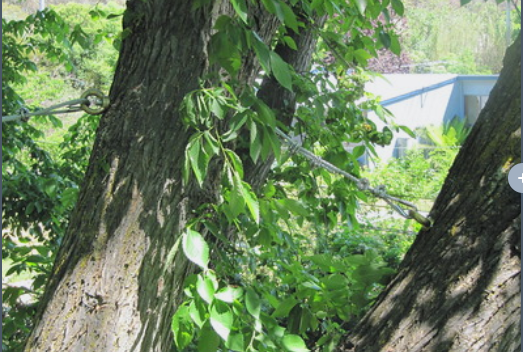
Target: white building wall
(420, 100)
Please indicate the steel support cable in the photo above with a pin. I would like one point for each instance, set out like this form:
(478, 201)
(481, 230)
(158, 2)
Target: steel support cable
(362, 184)
(101, 103)
(91, 101)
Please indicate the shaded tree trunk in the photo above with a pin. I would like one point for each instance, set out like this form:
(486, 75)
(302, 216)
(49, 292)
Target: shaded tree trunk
(116, 283)
(459, 287)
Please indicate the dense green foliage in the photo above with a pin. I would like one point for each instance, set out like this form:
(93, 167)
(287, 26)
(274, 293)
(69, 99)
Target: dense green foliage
(44, 57)
(294, 278)
(444, 37)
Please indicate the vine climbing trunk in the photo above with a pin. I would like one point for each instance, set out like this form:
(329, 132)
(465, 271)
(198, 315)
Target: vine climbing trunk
(459, 287)
(118, 275)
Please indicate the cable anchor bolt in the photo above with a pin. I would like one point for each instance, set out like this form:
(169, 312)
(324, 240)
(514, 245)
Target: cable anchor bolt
(95, 102)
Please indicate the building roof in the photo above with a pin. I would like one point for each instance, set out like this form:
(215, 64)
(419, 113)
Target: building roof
(396, 87)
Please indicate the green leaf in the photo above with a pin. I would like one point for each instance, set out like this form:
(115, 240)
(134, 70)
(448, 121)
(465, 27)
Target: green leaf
(197, 312)
(290, 42)
(209, 341)
(262, 52)
(241, 9)
(358, 151)
(182, 328)
(281, 71)
(217, 109)
(311, 285)
(315, 4)
(69, 197)
(289, 17)
(229, 136)
(221, 319)
(193, 151)
(238, 120)
(35, 259)
(386, 14)
(186, 171)
(252, 203)
(274, 142)
(294, 343)
(362, 5)
(398, 7)
(237, 201)
(256, 144)
(362, 56)
(225, 52)
(205, 288)
(294, 206)
(395, 45)
(407, 131)
(236, 162)
(285, 307)
(229, 294)
(195, 248)
(270, 5)
(464, 2)
(235, 342)
(211, 145)
(385, 39)
(56, 122)
(335, 282)
(252, 302)
(222, 23)
(50, 188)
(328, 263)
(265, 114)
(279, 11)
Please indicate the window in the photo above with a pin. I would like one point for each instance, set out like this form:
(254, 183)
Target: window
(400, 148)
(473, 106)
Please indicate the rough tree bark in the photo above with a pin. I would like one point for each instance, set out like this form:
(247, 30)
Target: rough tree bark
(459, 287)
(113, 287)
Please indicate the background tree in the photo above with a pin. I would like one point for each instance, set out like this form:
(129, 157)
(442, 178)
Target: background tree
(459, 287)
(462, 37)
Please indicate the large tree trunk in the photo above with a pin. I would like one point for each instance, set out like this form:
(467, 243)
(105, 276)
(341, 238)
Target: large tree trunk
(459, 286)
(115, 284)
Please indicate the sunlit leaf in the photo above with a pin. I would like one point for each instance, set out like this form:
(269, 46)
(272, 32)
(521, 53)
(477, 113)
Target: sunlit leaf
(229, 294)
(362, 5)
(255, 142)
(236, 162)
(193, 152)
(195, 248)
(205, 288)
(241, 9)
(252, 203)
(221, 319)
(197, 312)
(294, 343)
